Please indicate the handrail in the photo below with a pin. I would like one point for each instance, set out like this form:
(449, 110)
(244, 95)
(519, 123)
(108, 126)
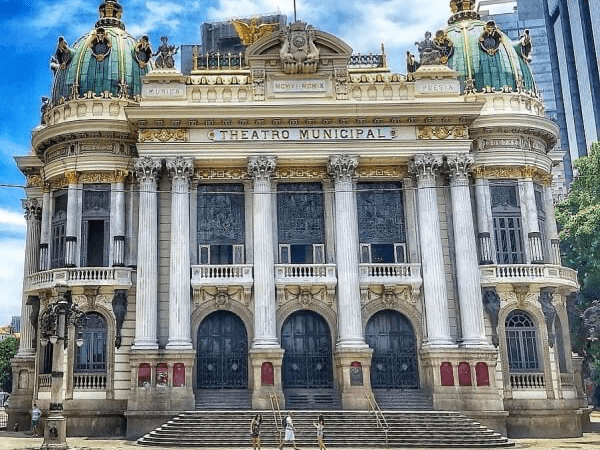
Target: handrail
(276, 412)
(381, 422)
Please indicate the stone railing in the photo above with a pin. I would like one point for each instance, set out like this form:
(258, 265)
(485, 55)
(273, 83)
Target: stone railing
(390, 273)
(89, 381)
(527, 381)
(566, 380)
(223, 274)
(547, 274)
(117, 277)
(299, 274)
(44, 382)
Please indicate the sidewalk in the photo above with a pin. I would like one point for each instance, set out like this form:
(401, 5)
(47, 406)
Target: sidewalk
(20, 441)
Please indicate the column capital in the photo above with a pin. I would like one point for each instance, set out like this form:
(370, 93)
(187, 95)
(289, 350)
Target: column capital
(180, 167)
(424, 166)
(459, 167)
(261, 168)
(72, 177)
(32, 207)
(343, 167)
(120, 175)
(147, 169)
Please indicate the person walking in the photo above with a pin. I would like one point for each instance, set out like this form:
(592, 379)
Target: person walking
(320, 425)
(289, 432)
(255, 431)
(36, 414)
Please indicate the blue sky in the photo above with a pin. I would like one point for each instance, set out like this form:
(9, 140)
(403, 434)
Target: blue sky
(31, 28)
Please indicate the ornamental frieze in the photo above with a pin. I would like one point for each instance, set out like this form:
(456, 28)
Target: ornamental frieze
(34, 181)
(298, 172)
(304, 296)
(442, 132)
(516, 142)
(391, 172)
(163, 135)
(222, 296)
(229, 173)
(390, 296)
(512, 172)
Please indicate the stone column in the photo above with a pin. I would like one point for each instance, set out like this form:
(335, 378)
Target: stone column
(118, 220)
(484, 212)
(146, 319)
(536, 253)
(467, 267)
(33, 211)
(44, 261)
(180, 337)
(73, 211)
(551, 228)
(350, 329)
(260, 169)
(425, 167)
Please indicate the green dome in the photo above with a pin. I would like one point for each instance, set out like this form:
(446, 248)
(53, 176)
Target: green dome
(501, 66)
(106, 58)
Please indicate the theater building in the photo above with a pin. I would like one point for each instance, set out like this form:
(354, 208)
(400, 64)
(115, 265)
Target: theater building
(300, 222)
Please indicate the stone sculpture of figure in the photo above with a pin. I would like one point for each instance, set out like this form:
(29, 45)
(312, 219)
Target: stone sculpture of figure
(428, 50)
(591, 321)
(143, 51)
(165, 54)
(525, 42)
(45, 106)
(549, 311)
(411, 66)
(491, 304)
(119, 305)
(62, 57)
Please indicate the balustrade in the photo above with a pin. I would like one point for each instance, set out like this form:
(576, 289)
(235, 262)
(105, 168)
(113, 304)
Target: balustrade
(527, 381)
(114, 276)
(44, 382)
(491, 275)
(304, 271)
(89, 381)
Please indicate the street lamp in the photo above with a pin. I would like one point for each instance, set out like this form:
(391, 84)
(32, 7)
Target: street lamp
(54, 324)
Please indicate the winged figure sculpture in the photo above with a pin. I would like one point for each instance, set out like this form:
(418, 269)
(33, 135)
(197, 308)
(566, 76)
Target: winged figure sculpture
(251, 32)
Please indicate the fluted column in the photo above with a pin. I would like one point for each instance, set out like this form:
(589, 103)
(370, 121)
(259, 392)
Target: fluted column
(180, 337)
(551, 228)
(73, 211)
(536, 253)
(467, 267)
(146, 319)
(260, 169)
(44, 261)
(425, 167)
(350, 330)
(484, 212)
(33, 211)
(118, 187)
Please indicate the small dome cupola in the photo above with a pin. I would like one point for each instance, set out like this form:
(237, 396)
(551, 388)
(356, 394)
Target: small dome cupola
(105, 60)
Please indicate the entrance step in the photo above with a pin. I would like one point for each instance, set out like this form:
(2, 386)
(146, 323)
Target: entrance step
(223, 399)
(403, 400)
(312, 399)
(356, 429)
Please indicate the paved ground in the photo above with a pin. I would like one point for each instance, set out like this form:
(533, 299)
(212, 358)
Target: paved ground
(21, 441)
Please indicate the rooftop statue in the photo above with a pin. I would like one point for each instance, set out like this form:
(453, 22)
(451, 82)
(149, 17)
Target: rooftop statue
(298, 52)
(525, 41)
(165, 54)
(252, 32)
(143, 51)
(430, 52)
(62, 57)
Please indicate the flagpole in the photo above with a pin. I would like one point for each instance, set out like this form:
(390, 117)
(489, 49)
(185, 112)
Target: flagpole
(295, 18)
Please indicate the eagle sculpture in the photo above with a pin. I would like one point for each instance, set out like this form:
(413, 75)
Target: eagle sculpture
(252, 32)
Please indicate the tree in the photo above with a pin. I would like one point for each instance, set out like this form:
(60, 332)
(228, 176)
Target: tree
(579, 218)
(8, 349)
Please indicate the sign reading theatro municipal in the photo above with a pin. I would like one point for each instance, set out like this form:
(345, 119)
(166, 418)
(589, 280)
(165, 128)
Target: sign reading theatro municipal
(293, 224)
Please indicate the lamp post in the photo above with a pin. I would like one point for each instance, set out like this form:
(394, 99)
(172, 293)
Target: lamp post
(55, 322)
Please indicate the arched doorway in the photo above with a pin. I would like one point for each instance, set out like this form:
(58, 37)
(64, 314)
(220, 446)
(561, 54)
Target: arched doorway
(222, 352)
(394, 364)
(307, 361)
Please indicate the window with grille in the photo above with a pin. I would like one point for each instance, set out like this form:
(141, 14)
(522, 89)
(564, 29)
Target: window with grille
(506, 216)
(92, 355)
(521, 343)
(381, 225)
(95, 225)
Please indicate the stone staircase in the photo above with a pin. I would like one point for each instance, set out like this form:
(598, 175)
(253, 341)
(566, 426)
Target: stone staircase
(230, 429)
(312, 399)
(403, 400)
(223, 399)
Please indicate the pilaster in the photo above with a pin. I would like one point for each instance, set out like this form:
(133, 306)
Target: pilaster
(467, 268)
(73, 212)
(425, 168)
(342, 169)
(118, 219)
(260, 169)
(180, 170)
(484, 212)
(536, 253)
(44, 261)
(146, 315)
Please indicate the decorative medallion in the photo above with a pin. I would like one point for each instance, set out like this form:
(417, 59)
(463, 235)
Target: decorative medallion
(490, 38)
(143, 52)
(445, 46)
(298, 52)
(442, 132)
(100, 44)
(252, 32)
(163, 135)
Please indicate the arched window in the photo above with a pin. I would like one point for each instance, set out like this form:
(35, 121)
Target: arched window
(521, 343)
(92, 355)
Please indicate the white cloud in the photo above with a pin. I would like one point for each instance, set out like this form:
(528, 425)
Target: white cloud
(158, 13)
(12, 220)
(11, 278)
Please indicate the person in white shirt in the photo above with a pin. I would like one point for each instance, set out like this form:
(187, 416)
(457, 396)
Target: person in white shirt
(320, 426)
(36, 414)
(289, 432)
